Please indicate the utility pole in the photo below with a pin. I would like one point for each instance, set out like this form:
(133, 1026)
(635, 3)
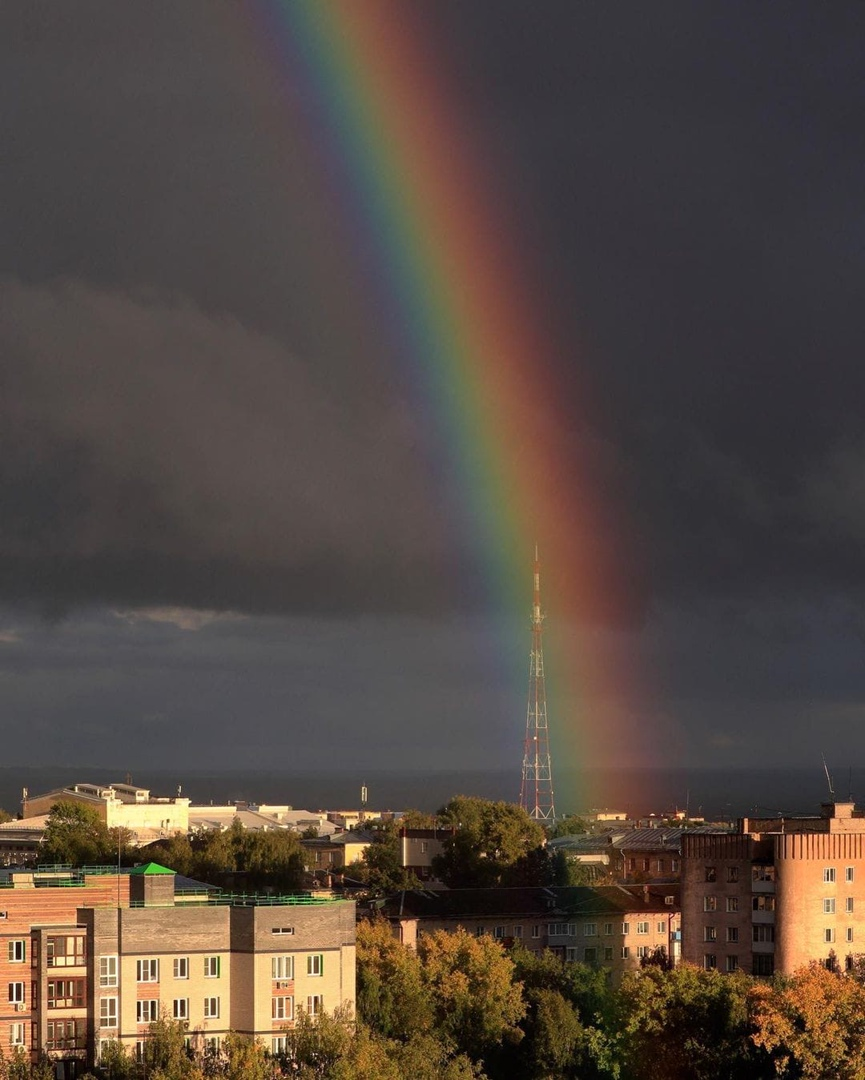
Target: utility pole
(536, 792)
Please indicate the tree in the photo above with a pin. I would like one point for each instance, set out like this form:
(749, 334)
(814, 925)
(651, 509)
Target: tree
(392, 996)
(570, 825)
(417, 819)
(76, 834)
(490, 845)
(812, 1024)
(381, 866)
(686, 1024)
(4, 816)
(476, 1002)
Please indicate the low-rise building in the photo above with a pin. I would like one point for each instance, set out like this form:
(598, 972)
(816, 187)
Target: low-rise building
(612, 927)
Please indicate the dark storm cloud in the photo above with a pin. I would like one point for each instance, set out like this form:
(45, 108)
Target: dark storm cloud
(686, 180)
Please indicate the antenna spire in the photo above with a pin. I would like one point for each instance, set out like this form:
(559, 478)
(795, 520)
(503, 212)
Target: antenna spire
(536, 791)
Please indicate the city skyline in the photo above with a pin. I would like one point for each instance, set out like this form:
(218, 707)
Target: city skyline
(235, 520)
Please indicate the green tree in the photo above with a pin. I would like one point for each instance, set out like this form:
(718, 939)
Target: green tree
(76, 834)
(4, 816)
(491, 845)
(316, 1045)
(477, 1003)
(381, 866)
(392, 996)
(417, 819)
(570, 825)
(687, 1024)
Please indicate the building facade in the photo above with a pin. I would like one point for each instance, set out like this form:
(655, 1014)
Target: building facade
(88, 958)
(777, 894)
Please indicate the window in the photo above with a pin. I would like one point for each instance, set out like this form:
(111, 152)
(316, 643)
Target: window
(211, 1008)
(282, 1008)
(710, 903)
(315, 1004)
(643, 951)
(282, 968)
(17, 952)
(499, 932)
(16, 1034)
(848, 874)
(180, 1008)
(829, 935)
(211, 1044)
(561, 929)
(848, 905)
(829, 905)
(643, 927)
(764, 964)
(763, 903)
(732, 903)
(282, 930)
(315, 964)
(674, 866)
(147, 1012)
(732, 874)
(65, 1034)
(65, 951)
(107, 970)
(608, 952)
(632, 864)
(608, 929)
(732, 963)
(590, 929)
(590, 956)
(66, 993)
(147, 971)
(762, 932)
(108, 1012)
(764, 872)
(211, 967)
(710, 961)
(710, 933)
(626, 928)
(829, 875)
(279, 1045)
(849, 933)
(572, 954)
(659, 866)
(518, 931)
(662, 926)
(711, 873)
(536, 931)
(732, 933)
(479, 931)
(645, 865)
(424, 847)
(626, 952)
(16, 993)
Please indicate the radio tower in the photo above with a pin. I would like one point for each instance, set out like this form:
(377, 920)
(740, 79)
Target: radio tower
(536, 793)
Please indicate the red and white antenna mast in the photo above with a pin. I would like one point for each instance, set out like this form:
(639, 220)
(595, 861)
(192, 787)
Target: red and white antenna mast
(536, 792)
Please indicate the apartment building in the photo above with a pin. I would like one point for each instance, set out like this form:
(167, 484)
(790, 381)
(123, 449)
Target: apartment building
(89, 957)
(612, 927)
(777, 894)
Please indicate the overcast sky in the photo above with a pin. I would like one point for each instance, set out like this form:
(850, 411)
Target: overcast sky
(223, 528)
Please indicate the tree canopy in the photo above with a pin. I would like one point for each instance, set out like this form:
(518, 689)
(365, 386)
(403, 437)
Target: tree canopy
(493, 843)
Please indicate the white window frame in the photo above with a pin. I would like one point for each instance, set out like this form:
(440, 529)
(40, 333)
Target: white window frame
(732, 935)
(518, 931)
(732, 903)
(108, 970)
(16, 1034)
(626, 928)
(279, 1045)
(282, 968)
(829, 935)
(828, 875)
(315, 1004)
(211, 1008)
(315, 965)
(181, 967)
(180, 1008)
(16, 993)
(212, 967)
(643, 926)
(642, 951)
(626, 952)
(18, 951)
(608, 929)
(849, 933)
(147, 1011)
(590, 929)
(848, 874)
(147, 971)
(536, 931)
(828, 905)
(108, 1012)
(848, 905)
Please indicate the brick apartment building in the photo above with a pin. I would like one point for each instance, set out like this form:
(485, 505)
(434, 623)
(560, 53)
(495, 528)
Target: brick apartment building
(777, 894)
(612, 927)
(88, 957)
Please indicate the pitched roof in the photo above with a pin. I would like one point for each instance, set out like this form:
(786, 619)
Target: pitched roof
(151, 868)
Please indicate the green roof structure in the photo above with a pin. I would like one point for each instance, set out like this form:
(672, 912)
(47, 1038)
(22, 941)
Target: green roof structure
(151, 868)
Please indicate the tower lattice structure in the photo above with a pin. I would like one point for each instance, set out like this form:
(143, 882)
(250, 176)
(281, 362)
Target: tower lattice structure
(536, 792)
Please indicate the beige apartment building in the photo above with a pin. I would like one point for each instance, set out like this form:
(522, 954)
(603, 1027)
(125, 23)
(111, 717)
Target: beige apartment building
(777, 894)
(87, 958)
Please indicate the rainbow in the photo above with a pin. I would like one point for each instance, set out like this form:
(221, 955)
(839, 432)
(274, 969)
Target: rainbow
(448, 272)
